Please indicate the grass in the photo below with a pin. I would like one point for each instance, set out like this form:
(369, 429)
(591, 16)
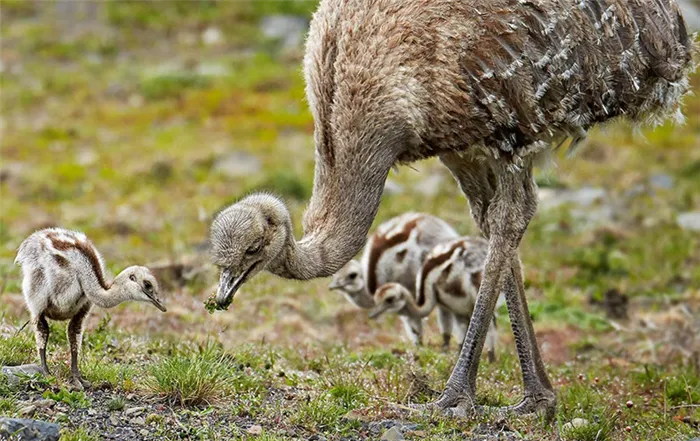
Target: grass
(79, 434)
(192, 379)
(122, 140)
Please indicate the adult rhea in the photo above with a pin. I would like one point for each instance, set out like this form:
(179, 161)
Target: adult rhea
(488, 86)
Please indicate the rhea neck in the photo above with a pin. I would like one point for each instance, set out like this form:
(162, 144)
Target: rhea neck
(415, 310)
(342, 208)
(100, 293)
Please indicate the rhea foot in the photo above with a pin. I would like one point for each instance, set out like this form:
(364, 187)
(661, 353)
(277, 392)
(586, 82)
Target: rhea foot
(77, 382)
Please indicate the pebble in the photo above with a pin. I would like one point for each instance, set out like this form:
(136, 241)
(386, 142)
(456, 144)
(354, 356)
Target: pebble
(238, 164)
(27, 410)
(144, 432)
(574, 424)
(113, 420)
(255, 430)
(134, 411)
(689, 221)
(139, 421)
(289, 29)
(392, 434)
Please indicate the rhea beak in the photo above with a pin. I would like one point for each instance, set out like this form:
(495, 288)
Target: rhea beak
(334, 285)
(378, 310)
(229, 282)
(155, 301)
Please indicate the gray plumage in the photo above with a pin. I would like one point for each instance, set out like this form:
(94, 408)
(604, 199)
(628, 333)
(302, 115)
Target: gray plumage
(488, 86)
(64, 276)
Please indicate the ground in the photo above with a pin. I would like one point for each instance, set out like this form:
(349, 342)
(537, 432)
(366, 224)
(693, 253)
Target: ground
(130, 122)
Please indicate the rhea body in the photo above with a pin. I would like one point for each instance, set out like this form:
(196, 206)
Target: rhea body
(63, 277)
(488, 86)
(394, 253)
(448, 279)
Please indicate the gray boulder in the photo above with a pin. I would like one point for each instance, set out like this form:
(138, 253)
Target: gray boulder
(28, 430)
(15, 373)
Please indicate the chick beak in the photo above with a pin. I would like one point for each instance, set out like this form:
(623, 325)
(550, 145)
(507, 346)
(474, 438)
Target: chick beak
(155, 301)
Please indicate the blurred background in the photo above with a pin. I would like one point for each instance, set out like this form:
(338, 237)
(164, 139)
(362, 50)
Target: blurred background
(136, 122)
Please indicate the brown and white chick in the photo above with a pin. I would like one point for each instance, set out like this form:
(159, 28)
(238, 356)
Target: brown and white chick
(449, 279)
(64, 276)
(393, 254)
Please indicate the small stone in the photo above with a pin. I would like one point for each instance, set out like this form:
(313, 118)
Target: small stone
(212, 36)
(139, 421)
(391, 187)
(661, 181)
(628, 429)
(113, 420)
(134, 411)
(689, 221)
(15, 373)
(27, 410)
(574, 424)
(144, 432)
(629, 404)
(289, 29)
(92, 412)
(238, 164)
(255, 430)
(28, 430)
(44, 403)
(392, 434)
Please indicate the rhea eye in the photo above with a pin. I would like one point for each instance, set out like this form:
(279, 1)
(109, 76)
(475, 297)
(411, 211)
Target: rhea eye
(132, 278)
(148, 285)
(352, 276)
(254, 249)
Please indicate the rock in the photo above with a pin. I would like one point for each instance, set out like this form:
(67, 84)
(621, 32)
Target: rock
(430, 186)
(689, 221)
(27, 410)
(661, 181)
(144, 432)
(392, 434)
(691, 15)
(212, 36)
(289, 29)
(92, 412)
(139, 421)
(574, 424)
(254, 430)
(28, 430)
(134, 411)
(45, 403)
(15, 373)
(113, 420)
(380, 426)
(391, 187)
(238, 164)
(583, 197)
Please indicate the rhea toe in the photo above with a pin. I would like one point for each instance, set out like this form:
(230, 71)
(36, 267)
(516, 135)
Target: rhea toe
(63, 277)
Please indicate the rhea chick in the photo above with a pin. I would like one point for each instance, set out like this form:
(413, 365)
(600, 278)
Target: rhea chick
(449, 279)
(394, 253)
(63, 277)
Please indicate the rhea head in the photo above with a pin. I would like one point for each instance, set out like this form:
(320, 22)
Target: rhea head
(246, 238)
(139, 284)
(390, 297)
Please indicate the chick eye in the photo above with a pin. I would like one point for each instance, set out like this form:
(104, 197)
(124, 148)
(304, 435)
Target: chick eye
(352, 276)
(390, 300)
(132, 278)
(148, 285)
(254, 249)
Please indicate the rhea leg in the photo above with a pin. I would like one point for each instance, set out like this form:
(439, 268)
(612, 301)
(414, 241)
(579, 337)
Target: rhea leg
(41, 335)
(445, 324)
(75, 338)
(503, 200)
(538, 391)
(414, 329)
